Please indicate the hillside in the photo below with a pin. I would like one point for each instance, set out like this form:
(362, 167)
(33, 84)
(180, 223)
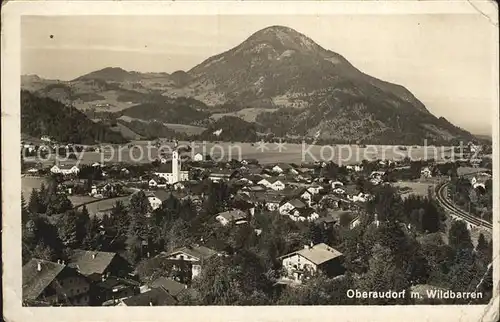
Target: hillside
(179, 110)
(230, 128)
(44, 116)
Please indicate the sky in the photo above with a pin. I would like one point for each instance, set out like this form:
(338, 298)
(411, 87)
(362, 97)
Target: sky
(446, 61)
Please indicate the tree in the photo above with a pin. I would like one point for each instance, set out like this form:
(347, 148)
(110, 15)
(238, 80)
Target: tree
(25, 214)
(483, 250)
(93, 239)
(319, 290)
(68, 226)
(459, 236)
(239, 279)
(58, 203)
(35, 205)
(465, 272)
(139, 204)
(383, 275)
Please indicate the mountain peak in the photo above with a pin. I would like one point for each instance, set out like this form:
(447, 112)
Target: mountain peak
(284, 38)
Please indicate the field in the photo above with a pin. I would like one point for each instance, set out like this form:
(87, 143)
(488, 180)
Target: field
(291, 153)
(78, 200)
(247, 114)
(417, 188)
(105, 204)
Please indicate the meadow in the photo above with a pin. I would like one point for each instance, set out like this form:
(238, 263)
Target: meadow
(268, 153)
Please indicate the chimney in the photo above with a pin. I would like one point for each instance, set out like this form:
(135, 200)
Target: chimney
(58, 261)
(185, 286)
(39, 267)
(93, 256)
(312, 244)
(306, 246)
(150, 303)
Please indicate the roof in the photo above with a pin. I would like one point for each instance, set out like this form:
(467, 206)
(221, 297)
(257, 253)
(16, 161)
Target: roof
(318, 254)
(160, 194)
(200, 252)
(284, 166)
(90, 262)
(306, 212)
(268, 197)
(66, 166)
(174, 288)
(34, 281)
(232, 215)
(296, 203)
(273, 179)
(113, 281)
(154, 297)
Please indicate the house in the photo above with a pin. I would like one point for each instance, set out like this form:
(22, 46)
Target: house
(271, 201)
(360, 197)
(65, 169)
(223, 174)
(232, 216)
(172, 172)
(311, 259)
(287, 205)
(306, 195)
(336, 184)
(356, 168)
(314, 189)
(195, 255)
(303, 214)
(46, 138)
(154, 297)
(157, 197)
(198, 157)
(284, 168)
(426, 173)
(272, 183)
(111, 290)
(97, 265)
(49, 283)
(173, 287)
(158, 182)
(377, 174)
(32, 171)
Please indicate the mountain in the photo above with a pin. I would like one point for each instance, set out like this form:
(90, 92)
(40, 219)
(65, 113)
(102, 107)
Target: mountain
(279, 79)
(44, 116)
(316, 91)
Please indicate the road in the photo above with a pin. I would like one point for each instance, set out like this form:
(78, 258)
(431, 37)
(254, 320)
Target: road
(447, 204)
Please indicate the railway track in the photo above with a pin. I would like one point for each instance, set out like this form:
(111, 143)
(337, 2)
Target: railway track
(442, 197)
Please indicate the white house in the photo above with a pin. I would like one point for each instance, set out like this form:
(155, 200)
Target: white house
(273, 183)
(198, 157)
(336, 184)
(314, 189)
(426, 172)
(356, 168)
(307, 196)
(173, 172)
(287, 206)
(194, 254)
(156, 198)
(65, 169)
(312, 259)
(303, 214)
(46, 138)
(232, 216)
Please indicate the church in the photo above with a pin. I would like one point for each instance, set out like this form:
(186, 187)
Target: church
(172, 172)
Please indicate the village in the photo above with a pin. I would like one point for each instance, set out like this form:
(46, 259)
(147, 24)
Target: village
(321, 194)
